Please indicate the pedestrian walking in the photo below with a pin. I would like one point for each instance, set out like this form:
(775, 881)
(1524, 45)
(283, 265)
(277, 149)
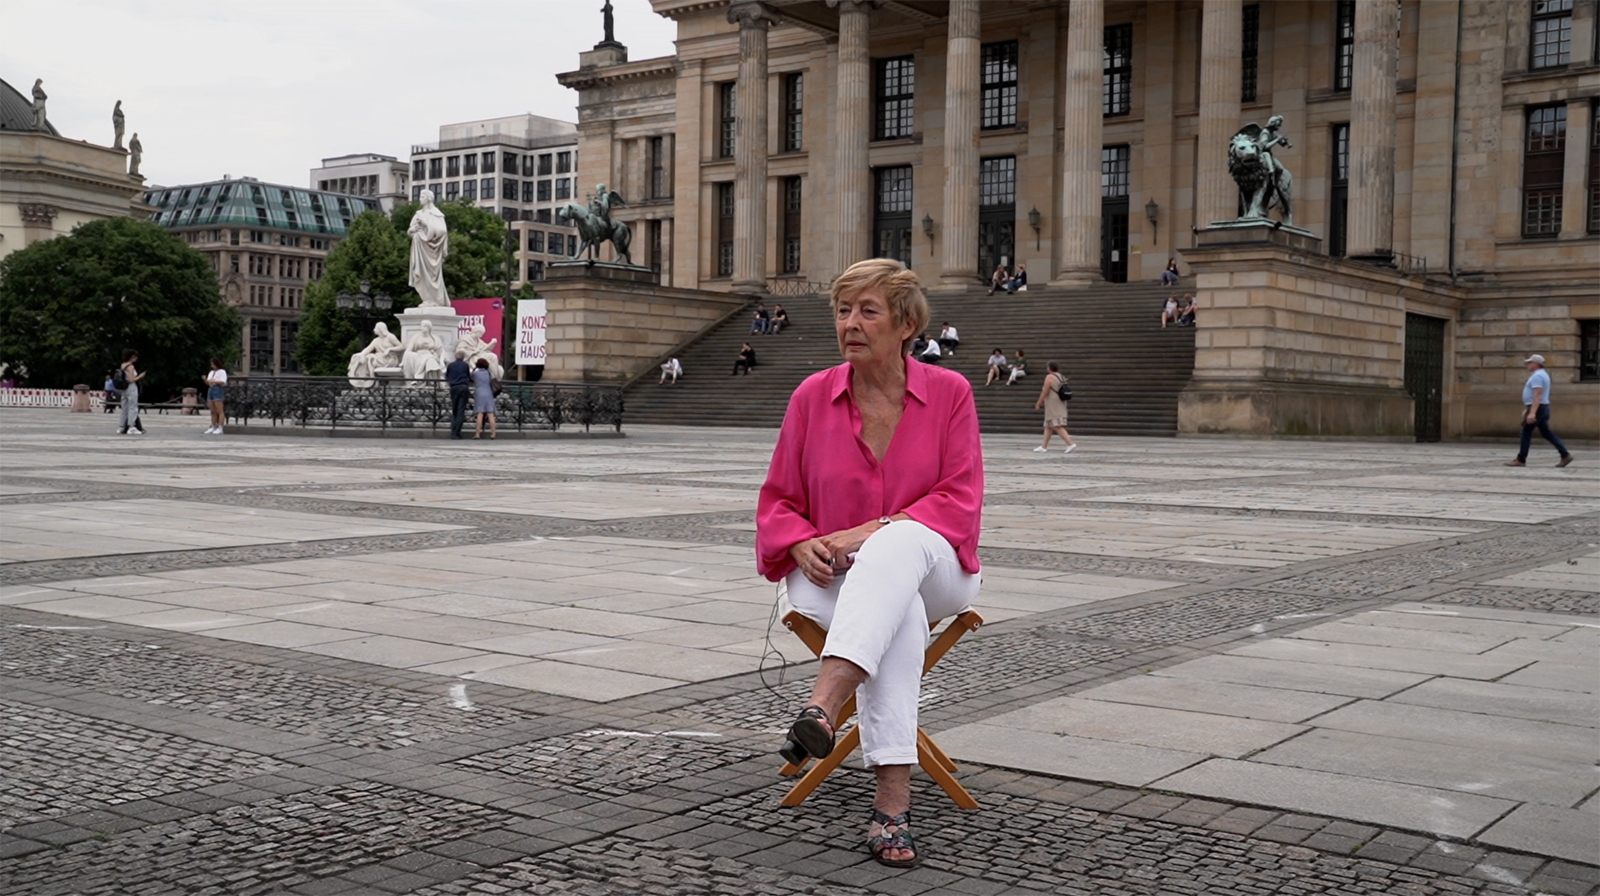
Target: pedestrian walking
(1054, 407)
(1536, 413)
(483, 398)
(458, 375)
(216, 380)
(128, 377)
(111, 392)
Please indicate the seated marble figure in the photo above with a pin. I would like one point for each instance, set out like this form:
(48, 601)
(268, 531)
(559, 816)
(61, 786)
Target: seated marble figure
(383, 351)
(424, 355)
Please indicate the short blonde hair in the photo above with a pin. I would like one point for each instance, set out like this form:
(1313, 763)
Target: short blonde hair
(901, 290)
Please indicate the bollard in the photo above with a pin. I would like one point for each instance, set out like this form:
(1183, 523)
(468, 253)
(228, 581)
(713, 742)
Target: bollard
(191, 401)
(80, 399)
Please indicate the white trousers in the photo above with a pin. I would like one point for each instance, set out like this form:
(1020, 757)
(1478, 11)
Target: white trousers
(877, 613)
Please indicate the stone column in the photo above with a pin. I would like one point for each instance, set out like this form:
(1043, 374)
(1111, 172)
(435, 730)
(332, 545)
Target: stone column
(852, 129)
(750, 150)
(961, 95)
(1221, 30)
(1575, 172)
(1372, 111)
(1080, 154)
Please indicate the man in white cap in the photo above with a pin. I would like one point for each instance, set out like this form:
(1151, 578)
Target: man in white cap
(1536, 413)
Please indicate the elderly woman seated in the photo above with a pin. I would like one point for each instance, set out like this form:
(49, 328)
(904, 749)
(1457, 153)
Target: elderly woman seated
(870, 514)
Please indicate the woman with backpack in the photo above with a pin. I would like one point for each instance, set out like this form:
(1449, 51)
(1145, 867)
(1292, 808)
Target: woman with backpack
(127, 379)
(1053, 400)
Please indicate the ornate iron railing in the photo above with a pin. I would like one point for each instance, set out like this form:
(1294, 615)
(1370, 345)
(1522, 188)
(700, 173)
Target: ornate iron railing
(384, 403)
(785, 287)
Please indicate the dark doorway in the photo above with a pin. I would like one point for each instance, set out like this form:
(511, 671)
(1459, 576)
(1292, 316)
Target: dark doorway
(891, 223)
(1425, 374)
(1114, 240)
(997, 215)
(1114, 168)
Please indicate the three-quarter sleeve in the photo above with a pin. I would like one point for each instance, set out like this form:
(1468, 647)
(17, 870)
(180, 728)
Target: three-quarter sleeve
(954, 506)
(783, 510)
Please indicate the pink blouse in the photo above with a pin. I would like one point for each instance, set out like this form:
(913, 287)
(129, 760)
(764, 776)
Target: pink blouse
(824, 478)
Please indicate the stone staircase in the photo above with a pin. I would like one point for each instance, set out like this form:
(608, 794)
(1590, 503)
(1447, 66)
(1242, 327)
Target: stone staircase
(1126, 371)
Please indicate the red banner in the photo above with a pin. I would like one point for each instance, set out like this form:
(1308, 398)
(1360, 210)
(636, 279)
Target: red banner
(488, 312)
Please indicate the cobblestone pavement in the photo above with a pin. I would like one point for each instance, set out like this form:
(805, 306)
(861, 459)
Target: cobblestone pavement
(315, 666)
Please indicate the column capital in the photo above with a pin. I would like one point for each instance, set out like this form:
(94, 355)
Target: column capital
(752, 14)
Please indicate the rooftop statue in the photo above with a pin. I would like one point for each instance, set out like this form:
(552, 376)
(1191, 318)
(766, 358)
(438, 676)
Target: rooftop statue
(430, 245)
(611, 23)
(135, 155)
(39, 96)
(1263, 181)
(595, 225)
(117, 124)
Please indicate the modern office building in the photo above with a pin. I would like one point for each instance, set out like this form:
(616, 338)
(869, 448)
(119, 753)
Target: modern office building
(367, 174)
(522, 168)
(50, 184)
(267, 243)
(1445, 158)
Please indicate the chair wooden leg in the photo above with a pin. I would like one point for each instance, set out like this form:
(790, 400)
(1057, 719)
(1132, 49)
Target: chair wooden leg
(926, 742)
(939, 774)
(802, 788)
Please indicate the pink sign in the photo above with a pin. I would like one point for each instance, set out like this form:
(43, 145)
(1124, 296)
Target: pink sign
(488, 312)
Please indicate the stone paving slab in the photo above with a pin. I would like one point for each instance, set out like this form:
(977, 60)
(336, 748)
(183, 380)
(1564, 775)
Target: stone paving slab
(1407, 806)
(1082, 758)
(1168, 729)
(1381, 502)
(1566, 833)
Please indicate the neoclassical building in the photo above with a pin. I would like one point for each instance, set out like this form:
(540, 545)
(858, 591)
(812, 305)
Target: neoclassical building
(1445, 158)
(50, 184)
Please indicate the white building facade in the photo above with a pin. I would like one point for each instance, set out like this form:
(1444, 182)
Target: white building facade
(369, 174)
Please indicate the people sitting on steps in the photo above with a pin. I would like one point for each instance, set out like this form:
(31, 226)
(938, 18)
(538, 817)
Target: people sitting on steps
(780, 321)
(1018, 368)
(1170, 275)
(949, 339)
(671, 370)
(1186, 314)
(1169, 311)
(997, 366)
(998, 279)
(930, 352)
(746, 360)
(1019, 281)
(760, 320)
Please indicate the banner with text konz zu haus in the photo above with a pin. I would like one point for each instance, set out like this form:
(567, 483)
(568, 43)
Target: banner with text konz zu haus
(530, 331)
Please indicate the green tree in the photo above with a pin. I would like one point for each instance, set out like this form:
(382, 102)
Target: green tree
(372, 251)
(70, 305)
(378, 250)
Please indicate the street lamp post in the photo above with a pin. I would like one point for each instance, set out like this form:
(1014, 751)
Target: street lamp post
(364, 308)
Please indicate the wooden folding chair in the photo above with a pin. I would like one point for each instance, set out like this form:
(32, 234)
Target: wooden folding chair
(932, 759)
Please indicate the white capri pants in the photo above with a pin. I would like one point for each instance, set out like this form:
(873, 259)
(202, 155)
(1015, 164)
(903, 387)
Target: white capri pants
(905, 577)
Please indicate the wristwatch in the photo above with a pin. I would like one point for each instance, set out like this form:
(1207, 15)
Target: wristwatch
(884, 521)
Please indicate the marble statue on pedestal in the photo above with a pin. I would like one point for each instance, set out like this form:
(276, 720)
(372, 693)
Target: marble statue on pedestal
(476, 348)
(424, 355)
(135, 155)
(1262, 179)
(40, 123)
(383, 351)
(117, 124)
(430, 245)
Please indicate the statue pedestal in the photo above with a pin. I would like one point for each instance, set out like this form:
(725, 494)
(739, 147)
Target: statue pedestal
(1258, 230)
(446, 327)
(600, 270)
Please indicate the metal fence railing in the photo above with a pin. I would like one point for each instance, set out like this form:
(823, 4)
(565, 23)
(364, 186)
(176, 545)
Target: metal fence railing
(786, 287)
(385, 403)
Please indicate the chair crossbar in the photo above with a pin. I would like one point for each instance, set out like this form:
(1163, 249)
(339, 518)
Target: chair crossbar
(934, 762)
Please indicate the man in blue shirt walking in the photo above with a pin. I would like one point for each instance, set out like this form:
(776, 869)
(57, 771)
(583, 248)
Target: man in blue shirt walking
(459, 376)
(1536, 413)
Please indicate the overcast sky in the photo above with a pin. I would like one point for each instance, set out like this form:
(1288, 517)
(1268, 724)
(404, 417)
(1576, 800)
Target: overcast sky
(268, 89)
